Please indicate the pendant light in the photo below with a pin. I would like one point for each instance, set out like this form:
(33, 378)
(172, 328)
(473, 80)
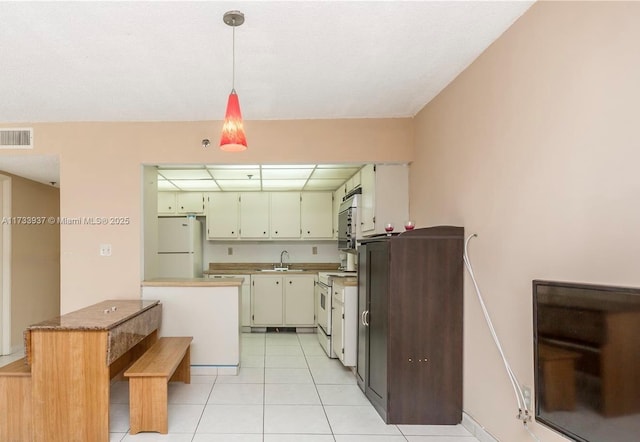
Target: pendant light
(233, 138)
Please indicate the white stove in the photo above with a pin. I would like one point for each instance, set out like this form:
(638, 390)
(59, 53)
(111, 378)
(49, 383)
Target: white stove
(323, 307)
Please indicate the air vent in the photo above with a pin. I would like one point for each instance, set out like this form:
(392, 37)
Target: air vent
(19, 138)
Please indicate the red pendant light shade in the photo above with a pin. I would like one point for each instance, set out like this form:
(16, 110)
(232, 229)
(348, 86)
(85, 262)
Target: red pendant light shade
(233, 138)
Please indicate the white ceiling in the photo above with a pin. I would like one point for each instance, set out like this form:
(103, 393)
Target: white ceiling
(171, 61)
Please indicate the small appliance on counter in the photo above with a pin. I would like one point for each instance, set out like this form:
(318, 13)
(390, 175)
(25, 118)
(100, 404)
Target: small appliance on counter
(348, 261)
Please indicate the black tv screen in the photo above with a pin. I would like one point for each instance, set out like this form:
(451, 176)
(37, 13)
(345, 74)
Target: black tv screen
(587, 360)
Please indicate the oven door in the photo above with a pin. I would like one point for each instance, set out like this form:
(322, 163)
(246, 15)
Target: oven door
(323, 299)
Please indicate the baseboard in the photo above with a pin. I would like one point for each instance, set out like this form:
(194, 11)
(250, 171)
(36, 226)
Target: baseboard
(476, 429)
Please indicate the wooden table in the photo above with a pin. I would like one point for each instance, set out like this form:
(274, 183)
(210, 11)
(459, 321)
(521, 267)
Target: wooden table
(73, 359)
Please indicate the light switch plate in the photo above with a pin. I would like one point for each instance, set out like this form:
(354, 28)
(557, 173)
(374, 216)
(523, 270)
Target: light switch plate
(105, 249)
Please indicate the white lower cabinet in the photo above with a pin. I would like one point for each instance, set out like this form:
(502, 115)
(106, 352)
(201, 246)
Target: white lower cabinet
(282, 300)
(344, 322)
(245, 297)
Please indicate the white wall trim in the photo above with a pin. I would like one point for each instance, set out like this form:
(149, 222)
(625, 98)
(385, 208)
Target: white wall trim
(476, 429)
(5, 293)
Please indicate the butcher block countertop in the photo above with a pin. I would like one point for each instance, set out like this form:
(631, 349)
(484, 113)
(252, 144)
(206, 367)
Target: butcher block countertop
(193, 282)
(250, 268)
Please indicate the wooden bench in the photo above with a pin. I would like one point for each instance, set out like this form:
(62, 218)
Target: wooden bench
(15, 402)
(165, 361)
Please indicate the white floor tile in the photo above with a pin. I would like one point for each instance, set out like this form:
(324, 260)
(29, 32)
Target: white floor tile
(282, 339)
(285, 362)
(351, 419)
(333, 375)
(247, 375)
(228, 438)
(253, 337)
(119, 418)
(251, 361)
(284, 350)
(287, 376)
(233, 419)
(303, 419)
(157, 437)
(180, 393)
(342, 395)
(119, 393)
(202, 379)
(184, 418)
(440, 438)
(368, 438)
(433, 430)
(313, 350)
(298, 438)
(116, 437)
(239, 394)
(322, 361)
(291, 394)
(252, 349)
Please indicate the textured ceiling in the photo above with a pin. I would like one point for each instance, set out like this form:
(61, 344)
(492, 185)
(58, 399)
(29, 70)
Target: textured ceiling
(171, 61)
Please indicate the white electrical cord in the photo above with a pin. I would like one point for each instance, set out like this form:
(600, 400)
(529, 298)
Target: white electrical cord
(522, 405)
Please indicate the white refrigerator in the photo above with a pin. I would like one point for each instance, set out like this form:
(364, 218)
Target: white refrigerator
(179, 248)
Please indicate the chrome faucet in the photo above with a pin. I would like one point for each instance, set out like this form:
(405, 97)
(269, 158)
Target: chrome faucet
(282, 259)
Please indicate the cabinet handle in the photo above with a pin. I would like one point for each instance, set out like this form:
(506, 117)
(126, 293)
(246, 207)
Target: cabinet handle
(308, 231)
(362, 318)
(232, 232)
(367, 318)
(276, 232)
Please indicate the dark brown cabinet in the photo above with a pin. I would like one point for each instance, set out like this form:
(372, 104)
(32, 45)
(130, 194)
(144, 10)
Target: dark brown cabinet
(410, 302)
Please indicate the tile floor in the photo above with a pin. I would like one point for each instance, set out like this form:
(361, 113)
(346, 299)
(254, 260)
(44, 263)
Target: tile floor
(287, 391)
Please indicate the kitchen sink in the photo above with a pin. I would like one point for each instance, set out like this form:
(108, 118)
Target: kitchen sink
(280, 269)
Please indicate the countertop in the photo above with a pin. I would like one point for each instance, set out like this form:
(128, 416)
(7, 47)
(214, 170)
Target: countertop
(192, 282)
(249, 268)
(102, 316)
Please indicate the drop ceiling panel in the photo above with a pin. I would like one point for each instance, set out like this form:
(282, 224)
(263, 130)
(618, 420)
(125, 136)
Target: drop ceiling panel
(323, 184)
(235, 174)
(283, 184)
(239, 185)
(286, 174)
(166, 185)
(180, 174)
(344, 173)
(198, 185)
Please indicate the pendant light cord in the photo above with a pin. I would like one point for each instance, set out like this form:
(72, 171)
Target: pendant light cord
(233, 57)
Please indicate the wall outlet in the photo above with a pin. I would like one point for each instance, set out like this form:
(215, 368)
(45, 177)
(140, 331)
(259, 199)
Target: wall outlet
(105, 249)
(526, 392)
(314, 250)
(230, 251)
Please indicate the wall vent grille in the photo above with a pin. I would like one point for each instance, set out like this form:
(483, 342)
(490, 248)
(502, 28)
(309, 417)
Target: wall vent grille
(16, 138)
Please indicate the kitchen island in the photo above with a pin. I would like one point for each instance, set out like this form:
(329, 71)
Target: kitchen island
(208, 310)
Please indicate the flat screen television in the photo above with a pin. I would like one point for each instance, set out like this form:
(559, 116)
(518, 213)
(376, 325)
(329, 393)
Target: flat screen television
(587, 360)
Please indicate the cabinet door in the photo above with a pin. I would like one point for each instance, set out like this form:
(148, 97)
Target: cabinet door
(222, 215)
(166, 203)
(363, 306)
(366, 211)
(316, 215)
(190, 202)
(299, 294)
(337, 322)
(254, 215)
(285, 215)
(266, 300)
(378, 292)
(337, 200)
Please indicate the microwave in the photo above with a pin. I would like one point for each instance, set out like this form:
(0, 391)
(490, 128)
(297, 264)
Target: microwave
(348, 226)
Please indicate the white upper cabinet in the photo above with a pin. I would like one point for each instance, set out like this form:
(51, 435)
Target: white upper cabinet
(166, 203)
(385, 197)
(190, 202)
(222, 215)
(316, 215)
(366, 209)
(254, 215)
(180, 203)
(285, 215)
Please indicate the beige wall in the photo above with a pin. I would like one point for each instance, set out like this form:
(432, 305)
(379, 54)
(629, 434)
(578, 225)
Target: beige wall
(101, 175)
(535, 147)
(35, 256)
